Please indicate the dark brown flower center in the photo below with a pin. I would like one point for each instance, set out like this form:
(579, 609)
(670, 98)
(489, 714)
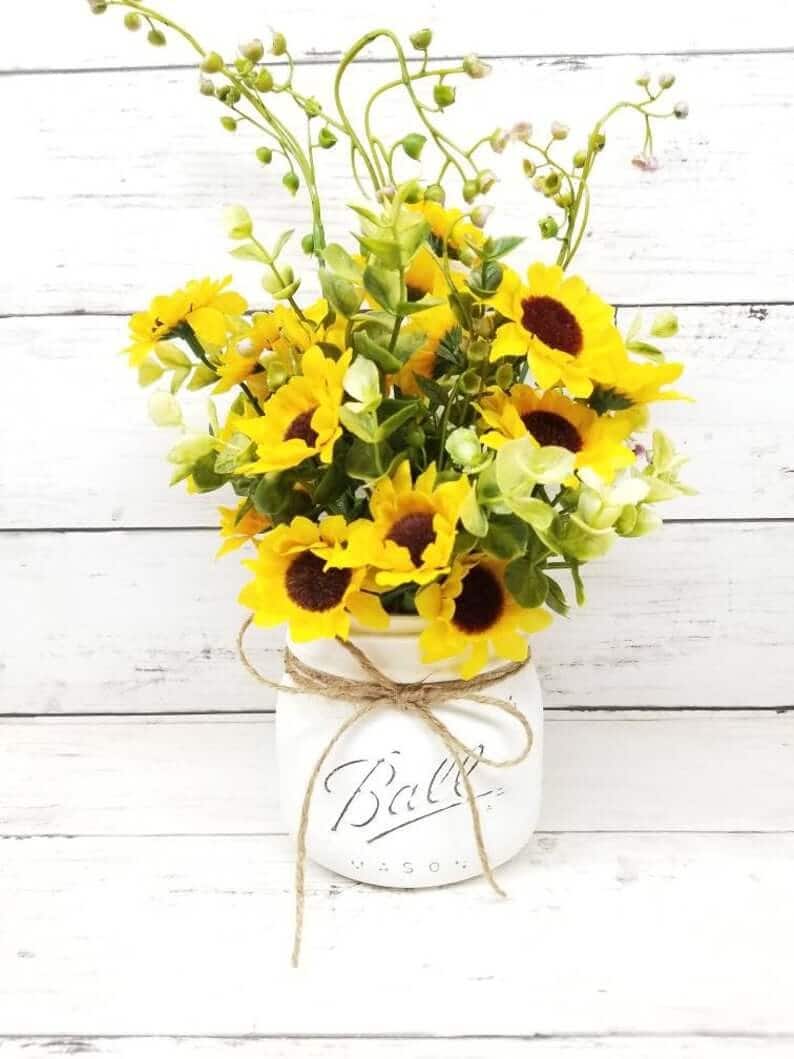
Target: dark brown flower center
(552, 323)
(480, 603)
(311, 587)
(301, 427)
(548, 428)
(413, 532)
(414, 294)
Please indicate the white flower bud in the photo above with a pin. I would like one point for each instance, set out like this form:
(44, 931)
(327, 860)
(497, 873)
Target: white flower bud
(480, 215)
(559, 131)
(475, 67)
(681, 110)
(666, 80)
(649, 163)
(253, 50)
(521, 131)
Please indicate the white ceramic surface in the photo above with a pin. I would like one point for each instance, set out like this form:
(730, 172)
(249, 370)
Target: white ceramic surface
(389, 807)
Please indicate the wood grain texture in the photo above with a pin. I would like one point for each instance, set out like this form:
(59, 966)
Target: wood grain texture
(60, 35)
(605, 772)
(477, 1047)
(110, 469)
(701, 616)
(683, 934)
(141, 177)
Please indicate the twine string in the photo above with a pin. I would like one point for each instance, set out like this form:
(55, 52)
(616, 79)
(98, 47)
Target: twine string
(419, 698)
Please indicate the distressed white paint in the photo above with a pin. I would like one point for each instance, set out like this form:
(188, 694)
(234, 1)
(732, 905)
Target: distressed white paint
(601, 934)
(702, 615)
(140, 178)
(59, 35)
(110, 468)
(212, 775)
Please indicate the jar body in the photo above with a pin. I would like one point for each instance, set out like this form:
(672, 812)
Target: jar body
(389, 806)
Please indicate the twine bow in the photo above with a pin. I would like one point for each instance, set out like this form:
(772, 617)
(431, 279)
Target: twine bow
(376, 691)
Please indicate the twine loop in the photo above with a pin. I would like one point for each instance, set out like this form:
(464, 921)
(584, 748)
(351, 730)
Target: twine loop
(379, 691)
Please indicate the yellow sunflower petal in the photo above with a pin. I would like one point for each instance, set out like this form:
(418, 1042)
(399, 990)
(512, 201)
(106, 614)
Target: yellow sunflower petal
(511, 341)
(368, 610)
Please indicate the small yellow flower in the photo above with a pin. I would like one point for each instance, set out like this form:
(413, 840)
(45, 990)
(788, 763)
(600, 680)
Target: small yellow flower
(447, 224)
(293, 584)
(238, 531)
(552, 419)
(434, 324)
(203, 304)
(565, 330)
(412, 532)
(472, 614)
(301, 419)
(624, 383)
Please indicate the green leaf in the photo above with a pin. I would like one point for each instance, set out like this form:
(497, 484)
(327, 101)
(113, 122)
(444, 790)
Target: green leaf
(178, 377)
(645, 349)
(250, 252)
(527, 584)
(484, 279)
(202, 376)
(366, 347)
(411, 308)
(366, 214)
(149, 372)
(507, 537)
(604, 399)
(413, 231)
(367, 462)
(281, 242)
(397, 419)
(408, 342)
(384, 286)
(387, 252)
(495, 248)
(171, 356)
(461, 304)
(331, 486)
(205, 475)
(363, 425)
(435, 391)
(555, 598)
(341, 263)
(472, 516)
(339, 293)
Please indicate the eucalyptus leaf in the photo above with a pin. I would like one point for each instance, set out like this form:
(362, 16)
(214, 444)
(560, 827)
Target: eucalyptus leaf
(339, 293)
(365, 346)
(341, 263)
(383, 285)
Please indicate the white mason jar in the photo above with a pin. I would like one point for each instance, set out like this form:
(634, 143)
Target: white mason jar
(389, 807)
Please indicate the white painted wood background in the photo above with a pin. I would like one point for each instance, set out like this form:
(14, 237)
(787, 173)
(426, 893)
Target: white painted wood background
(145, 875)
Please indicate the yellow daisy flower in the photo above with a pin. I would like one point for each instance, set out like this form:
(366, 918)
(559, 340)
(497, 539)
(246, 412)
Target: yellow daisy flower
(238, 531)
(446, 224)
(292, 583)
(565, 329)
(412, 532)
(203, 304)
(301, 419)
(624, 383)
(552, 419)
(472, 614)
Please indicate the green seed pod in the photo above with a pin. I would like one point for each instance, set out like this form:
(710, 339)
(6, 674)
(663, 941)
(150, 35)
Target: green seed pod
(312, 107)
(413, 143)
(229, 123)
(291, 182)
(529, 168)
(243, 67)
(564, 199)
(307, 243)
(548, 227)
(421, 39)
(486, 179)
(579, 159)
(478, 351)
(412, 191)
(263, 82)
(559, 131)
(326, 138)
(265, 155)
(253, 50)
(470, 190)
(156, 38)
(98, 7)
(212, 63)
(444, 95)
(470, 381)
(551, 182)
(132, 21)
(279, 45)
(643, 80)
(681, 110)
(206, 87)
(504, 376)
(435, 193)
(475, 67)
(598, 141)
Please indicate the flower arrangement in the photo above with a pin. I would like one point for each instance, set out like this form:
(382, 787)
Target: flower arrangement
(437, 434)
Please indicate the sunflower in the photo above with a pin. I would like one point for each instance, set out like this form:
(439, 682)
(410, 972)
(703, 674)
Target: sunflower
(293, 584)
(203, 304)
(626, 384)
(472, 614)
(237, 530)
(565, 330)
(434, 323)
(412, 531)
(552, 419)
(301, 419)
(447, 224)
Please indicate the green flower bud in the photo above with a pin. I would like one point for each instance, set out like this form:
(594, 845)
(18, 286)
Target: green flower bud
(643, 80)
(132, 21)
(263, 82)
(421, 39)
(435, 193)
(413, 143)
(243, 66)
(253, 50)
(444, 95)
(478, 351)
(463, 445)
(470, 381)
(480, 215)
(265, 155)
(212, 63)
(486, 179)
(579, 159)
(98, 7)
(326, 138)
(276, 375)
(564, 199)
(238, 222)
(273, 284)
(291, 182)
(206, 87)
(559, 131)
(156, 37)
(665, 324)
(681, 110)
(470, 190)
(279, 45)
(499, 140)
(551, 182)
(312, 108)
(666, 80)
(528, 167)
(415, 437)
(475, 67)
(229, 123)
(307, 243)
(598, 141)
(548, 227)
(504, 376)
(412, 192)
